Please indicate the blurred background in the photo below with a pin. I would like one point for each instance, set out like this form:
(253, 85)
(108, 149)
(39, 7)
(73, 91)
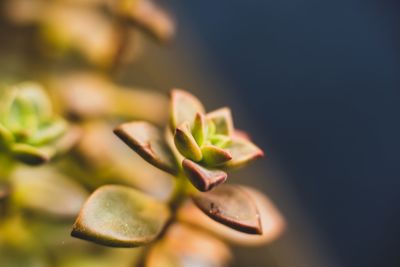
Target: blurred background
(317, 84)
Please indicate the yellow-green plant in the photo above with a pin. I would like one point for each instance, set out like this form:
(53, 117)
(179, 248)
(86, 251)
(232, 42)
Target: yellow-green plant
(197, 149)
(29, 130)
(179, 210)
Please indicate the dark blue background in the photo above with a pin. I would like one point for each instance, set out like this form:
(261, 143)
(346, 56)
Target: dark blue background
(322, 79)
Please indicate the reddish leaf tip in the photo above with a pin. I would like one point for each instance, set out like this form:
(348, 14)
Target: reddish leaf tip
(202, 178)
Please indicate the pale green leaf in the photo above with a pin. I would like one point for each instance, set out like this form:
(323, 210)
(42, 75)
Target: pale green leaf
(184, 107)
(243, 151)
(222, 118)
(120, 216)
(186, 144)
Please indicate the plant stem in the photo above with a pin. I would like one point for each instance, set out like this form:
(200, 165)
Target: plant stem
(181, 191)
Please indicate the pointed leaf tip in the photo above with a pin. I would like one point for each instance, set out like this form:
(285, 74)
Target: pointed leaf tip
(147, 141)
(120, 216)
(199, 129)
(215, 156)
(31, 155)
(184, 107)
(186, 144)
(203, 179)
(243, 151)
(231, 206)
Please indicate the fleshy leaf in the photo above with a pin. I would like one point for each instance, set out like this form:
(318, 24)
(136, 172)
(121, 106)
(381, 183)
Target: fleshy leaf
(220, 140)
(48, 132)
(215, 156)
(199, 129)
(35, 93)
(147, 141)
(31, 155)
(203, 179)
(273, 224)
(21, 118)
(242, 151)
(222, 118)
(45, 190)
(185, 246)
(150, 18)
(241, 134)
(184, 107)
(231, 206)
(120, 216)
(186, 144)
(6, 136)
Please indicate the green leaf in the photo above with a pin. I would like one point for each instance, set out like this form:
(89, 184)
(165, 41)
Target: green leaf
(186, 144)
(21, 118)
(220, 140)
(120, 216)
(31, 155)
(184, 107)
(222, 118)
(48, 132)
(44, 190)
(215, 156)
(35, 94)
(243, 151)
(147, 141)
(199, 129)
(231, 206)
(203, 179)
(6, 137)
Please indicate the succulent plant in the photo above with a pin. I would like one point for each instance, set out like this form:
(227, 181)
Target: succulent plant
(29, 130)
(197, 149)
(102, 38)
(183, 194)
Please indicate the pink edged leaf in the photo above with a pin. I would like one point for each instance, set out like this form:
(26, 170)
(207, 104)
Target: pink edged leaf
(215, 156)
(120, 216)
(273, 223)
(186, 144)
(241, 134)
(222, 119)
(243, 151)
(147, 141)
(184, 107)
(203, 179)
(231, 206)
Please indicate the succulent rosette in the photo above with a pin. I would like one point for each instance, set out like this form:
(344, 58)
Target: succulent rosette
(208, 142)
(29, 130)
(204, 146)
(197, 149)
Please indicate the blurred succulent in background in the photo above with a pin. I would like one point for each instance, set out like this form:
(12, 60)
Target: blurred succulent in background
(29, 130)
(102, 31)
(196, 148)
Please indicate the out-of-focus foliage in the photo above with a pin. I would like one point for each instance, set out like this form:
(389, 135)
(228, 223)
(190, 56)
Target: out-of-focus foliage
(29, 130)
(63, 120)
